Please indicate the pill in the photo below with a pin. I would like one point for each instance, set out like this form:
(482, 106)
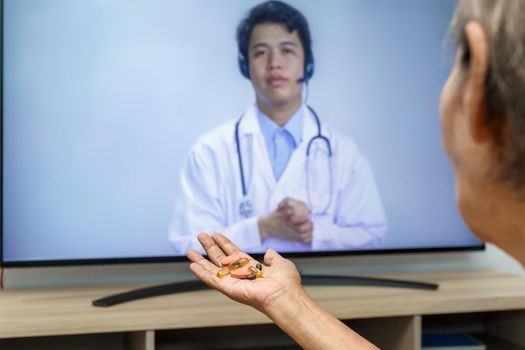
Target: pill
(223, 272)
(254, 270)
(251, 277)
(238, 264)
(241, 273)
(230, 259)
(259, 266)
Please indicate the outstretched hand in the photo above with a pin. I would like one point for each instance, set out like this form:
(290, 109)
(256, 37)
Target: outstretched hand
(281, 278)
(278, 294)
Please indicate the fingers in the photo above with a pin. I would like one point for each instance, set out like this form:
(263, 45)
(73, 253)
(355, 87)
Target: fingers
(298, 218)
(284, 203)
(271, 256)
(225, 244)
(228, 246)
(287, 231)
(306, 237)
(197, 258)
(204, 275)
(306, 227)
(306, 231)
(294, 210)
(194, 255)
(215, 253)
(203, 269)
(287, 206)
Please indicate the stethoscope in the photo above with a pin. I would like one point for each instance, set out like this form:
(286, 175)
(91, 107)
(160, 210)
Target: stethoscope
(246, 207)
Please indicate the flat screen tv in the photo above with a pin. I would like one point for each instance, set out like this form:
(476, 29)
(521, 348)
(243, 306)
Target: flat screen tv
(118, 132)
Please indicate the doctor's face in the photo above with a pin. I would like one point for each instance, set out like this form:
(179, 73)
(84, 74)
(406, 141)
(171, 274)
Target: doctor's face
(276, 59)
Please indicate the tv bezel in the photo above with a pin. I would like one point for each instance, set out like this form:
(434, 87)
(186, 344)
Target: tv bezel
(179, 258)
(258, 256)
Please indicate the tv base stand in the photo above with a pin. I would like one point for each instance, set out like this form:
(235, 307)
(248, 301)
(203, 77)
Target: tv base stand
(308, 280)
(336, 280)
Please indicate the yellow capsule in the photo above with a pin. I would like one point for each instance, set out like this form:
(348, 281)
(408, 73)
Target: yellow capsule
(255, 271)
(238, 264)
(223, 272)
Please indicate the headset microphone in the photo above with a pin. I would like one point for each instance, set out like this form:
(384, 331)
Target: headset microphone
(308, 72)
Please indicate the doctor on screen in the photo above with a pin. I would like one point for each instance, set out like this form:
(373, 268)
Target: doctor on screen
(278, 176)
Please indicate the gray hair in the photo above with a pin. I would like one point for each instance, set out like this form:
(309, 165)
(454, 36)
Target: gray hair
(504, 25)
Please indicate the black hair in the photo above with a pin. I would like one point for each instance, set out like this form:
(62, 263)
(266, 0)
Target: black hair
(279, 13)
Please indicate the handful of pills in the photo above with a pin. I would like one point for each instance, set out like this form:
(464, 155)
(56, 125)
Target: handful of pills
(240, 268)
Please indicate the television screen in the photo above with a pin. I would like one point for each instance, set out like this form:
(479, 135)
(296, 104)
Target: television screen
(128, 127)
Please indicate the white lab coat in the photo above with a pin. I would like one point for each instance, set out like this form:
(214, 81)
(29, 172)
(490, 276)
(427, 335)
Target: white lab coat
(212, 191)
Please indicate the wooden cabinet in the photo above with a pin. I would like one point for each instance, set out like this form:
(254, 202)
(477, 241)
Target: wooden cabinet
(488, 303)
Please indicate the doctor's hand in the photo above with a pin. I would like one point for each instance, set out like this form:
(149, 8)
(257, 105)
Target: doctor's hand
(281, 225)
(294, 211)
(290, 221)
(280, 284)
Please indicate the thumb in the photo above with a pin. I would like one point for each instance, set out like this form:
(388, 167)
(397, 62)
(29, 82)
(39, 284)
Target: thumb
(285, 202)
(271, 256)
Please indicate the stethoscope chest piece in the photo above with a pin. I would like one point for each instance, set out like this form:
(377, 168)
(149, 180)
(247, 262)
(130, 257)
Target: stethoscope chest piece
(245, 208)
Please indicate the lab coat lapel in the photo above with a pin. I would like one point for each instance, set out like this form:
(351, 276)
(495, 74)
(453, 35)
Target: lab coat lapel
(258, 154)
(295, 169)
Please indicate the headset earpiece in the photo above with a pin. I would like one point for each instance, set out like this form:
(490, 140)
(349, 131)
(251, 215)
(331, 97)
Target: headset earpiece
(308, 71)
(243, 66)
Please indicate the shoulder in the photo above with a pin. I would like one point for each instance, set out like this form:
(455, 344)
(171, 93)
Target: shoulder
(342, 144)
(348, 160)
(218, 139)
(347, 156)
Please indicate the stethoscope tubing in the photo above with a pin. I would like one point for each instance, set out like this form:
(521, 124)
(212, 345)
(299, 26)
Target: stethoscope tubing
(245, 202)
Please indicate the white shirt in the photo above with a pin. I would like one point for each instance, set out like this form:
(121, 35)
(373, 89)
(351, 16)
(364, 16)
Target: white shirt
(212, 191)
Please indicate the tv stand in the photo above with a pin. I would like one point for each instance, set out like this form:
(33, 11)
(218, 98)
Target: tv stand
(336, 280)
(149, 292)
(490, 302)
(308, 280)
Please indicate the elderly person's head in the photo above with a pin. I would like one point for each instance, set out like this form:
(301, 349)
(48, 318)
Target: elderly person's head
(483, 117)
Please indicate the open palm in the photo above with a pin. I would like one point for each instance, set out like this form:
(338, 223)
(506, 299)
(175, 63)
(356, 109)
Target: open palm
(280, 275)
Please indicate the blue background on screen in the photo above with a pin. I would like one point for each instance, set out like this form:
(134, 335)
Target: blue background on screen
(103, 100)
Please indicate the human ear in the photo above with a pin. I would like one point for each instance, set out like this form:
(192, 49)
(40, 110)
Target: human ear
(476, 58)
